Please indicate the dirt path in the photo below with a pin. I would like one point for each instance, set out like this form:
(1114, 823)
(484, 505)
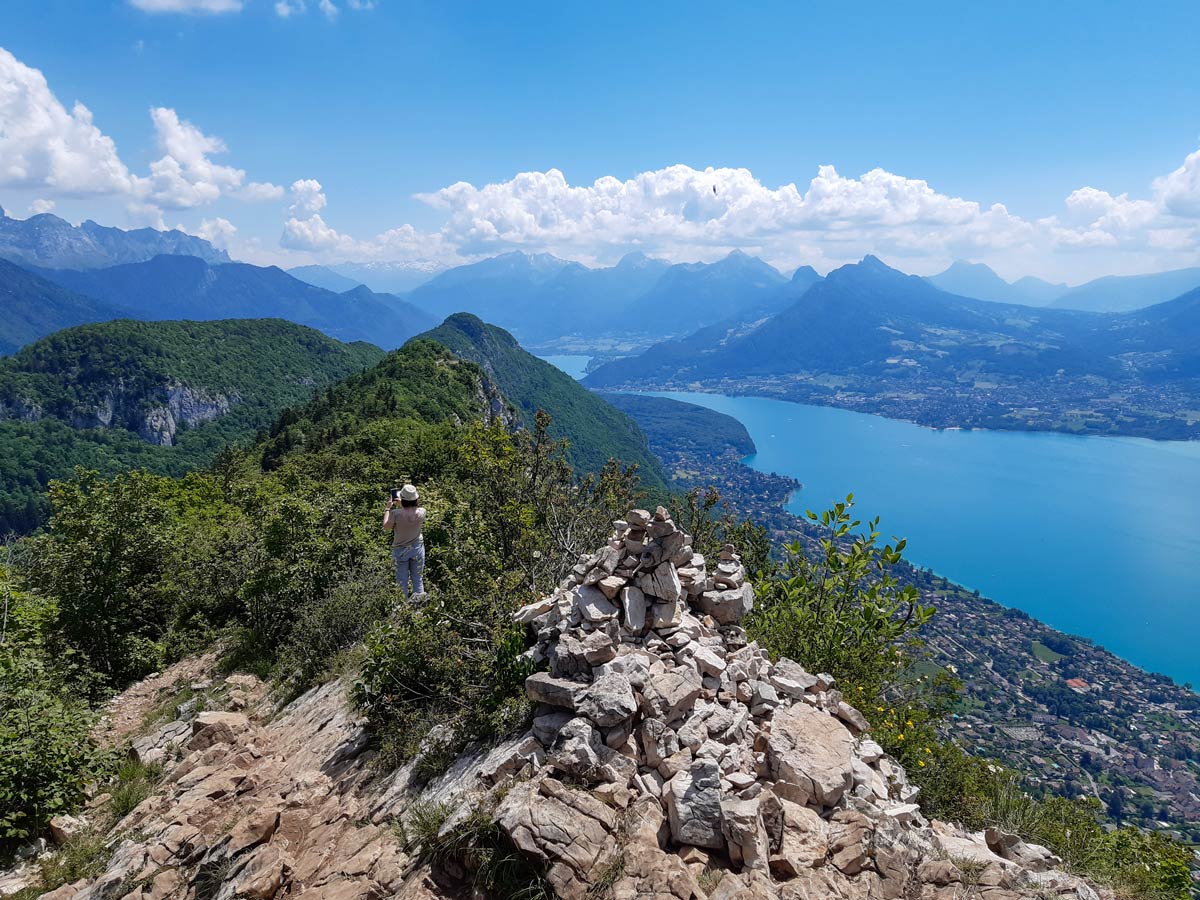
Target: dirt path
(127, 712)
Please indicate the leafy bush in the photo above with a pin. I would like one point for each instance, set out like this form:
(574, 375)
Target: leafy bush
(47, 755)
(332, 624)
(842, 610)
(109, 541)
(511, 522)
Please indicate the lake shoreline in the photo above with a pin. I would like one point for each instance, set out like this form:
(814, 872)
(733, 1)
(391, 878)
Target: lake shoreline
(816, 401)
(1016, 472)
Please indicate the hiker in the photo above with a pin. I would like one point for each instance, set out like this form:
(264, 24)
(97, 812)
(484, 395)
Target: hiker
(408, 546)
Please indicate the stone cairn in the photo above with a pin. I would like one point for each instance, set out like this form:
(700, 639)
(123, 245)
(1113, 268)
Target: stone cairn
(666, 746)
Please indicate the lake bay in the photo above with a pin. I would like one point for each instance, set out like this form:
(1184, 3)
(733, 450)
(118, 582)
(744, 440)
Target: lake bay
(1098, 537)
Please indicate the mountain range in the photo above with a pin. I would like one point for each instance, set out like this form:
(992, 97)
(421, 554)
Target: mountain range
(48, 241)
(978, 280)
(324, 277)
(1111, 293)
(186, 287)
(1123, 293)
(541, 298)
(34, 307)
(871, 337)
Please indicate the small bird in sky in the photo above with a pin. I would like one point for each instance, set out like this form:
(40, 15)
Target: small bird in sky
(714, 188)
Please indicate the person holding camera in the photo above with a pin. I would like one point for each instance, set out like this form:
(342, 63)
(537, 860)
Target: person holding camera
(408, 546)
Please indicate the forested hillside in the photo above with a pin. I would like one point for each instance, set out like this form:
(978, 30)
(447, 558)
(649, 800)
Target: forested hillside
(34, 307)
(186, 287)
(165, 396)
(595, 430)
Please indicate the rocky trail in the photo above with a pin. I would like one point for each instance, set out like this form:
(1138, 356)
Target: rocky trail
(668, 758)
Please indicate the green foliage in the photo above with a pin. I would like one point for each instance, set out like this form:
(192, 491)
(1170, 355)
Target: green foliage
(511, 523)
(478, 847)
(685, 426)
(120, 370)
(842, 610)
(134, 782)
(700, 514)
(596, 431)
(980, 794)
(47, 755)
(108, 544)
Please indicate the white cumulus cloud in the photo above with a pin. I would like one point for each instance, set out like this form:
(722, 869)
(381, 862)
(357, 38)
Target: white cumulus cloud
(39, 206)
(287, 8)
(219, 232)
(44, 145)
(185, 176)
(187, 6)
(307, 198)
(329, 9)
(684, 212)
(260, 192)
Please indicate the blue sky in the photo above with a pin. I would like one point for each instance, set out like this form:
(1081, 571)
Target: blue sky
(1016, 104)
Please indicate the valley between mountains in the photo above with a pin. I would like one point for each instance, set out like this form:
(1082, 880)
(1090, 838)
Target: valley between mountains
(193, 455)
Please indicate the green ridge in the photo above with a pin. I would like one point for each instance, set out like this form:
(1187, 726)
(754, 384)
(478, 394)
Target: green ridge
(596, 430)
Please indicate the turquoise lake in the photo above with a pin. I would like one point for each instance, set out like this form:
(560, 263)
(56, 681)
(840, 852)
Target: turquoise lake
(1098, 537)
(572, 365)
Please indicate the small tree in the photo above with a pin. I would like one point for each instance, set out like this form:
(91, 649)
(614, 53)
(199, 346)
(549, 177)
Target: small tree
(840, 608)
(100, 561)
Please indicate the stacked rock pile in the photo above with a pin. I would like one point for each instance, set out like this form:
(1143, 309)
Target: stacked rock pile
(654, 701)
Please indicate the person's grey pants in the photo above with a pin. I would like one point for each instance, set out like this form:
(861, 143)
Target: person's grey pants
(410, 566)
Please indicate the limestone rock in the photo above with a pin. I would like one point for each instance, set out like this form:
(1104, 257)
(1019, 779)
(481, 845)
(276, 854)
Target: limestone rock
(668, 695)
(63, 828)
(742, 825)
(572, 832)
(693, 801)
(594, 605)
(811, 751)
(545, 688)
(729, 606)
(213, 727)
(798, 836)
(608, 700)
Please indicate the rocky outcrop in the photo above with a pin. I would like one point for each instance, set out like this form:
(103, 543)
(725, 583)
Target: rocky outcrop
(672, 754)
(184, 405)
(155, 421)
(668, 758)
(20, 408)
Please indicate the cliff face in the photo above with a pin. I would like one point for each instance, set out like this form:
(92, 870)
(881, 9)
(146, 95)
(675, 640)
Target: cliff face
(184, 405)
(669, 758)
(155, 418)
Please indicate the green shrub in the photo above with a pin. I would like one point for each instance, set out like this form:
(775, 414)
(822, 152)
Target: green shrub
(47, 755)
(330, 625)
(842, 610)
(109, 540)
